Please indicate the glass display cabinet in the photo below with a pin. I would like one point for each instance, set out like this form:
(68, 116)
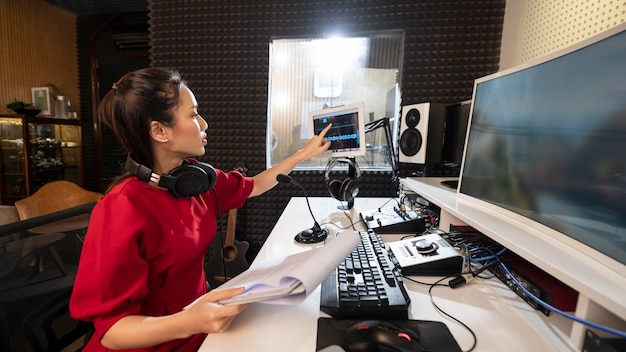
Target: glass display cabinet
(35, 151)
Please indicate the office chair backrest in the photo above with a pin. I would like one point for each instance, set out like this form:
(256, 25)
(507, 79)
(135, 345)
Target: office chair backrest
(54, 196)
(6, 339)
(51, 328)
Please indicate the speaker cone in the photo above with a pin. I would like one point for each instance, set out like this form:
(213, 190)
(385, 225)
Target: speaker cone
(410, 142)
(412, 118)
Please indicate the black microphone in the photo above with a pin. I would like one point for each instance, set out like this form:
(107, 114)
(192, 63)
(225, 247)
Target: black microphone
(314, 234)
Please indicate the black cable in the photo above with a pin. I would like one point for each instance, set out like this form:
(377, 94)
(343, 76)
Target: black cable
(221, 234)
(422, 283)
(487, 266)
(432, 300)
(621, 334)
(352, 223)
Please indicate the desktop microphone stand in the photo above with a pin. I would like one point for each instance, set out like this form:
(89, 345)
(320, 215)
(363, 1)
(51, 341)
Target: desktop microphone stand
(313, 235)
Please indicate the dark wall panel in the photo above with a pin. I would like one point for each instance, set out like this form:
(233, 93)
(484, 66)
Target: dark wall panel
(221, 48)
(99, 54)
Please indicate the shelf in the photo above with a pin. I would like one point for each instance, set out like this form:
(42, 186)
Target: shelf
(12, 148)
(44, 141)
(52, 121)
(601, 289)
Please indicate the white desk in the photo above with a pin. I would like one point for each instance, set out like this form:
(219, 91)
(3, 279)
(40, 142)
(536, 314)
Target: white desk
(501, 320)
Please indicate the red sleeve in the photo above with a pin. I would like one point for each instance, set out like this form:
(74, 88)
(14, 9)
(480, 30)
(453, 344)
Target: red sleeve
(119, 286)
(232, 189)
(144, 249)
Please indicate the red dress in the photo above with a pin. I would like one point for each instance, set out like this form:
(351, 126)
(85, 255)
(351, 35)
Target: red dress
(144, 254)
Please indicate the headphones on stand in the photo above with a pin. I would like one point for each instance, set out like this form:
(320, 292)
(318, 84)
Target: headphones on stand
(345, 189)
(190, 179)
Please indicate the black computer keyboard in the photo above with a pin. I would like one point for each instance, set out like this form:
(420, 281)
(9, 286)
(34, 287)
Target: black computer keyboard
(366, 284)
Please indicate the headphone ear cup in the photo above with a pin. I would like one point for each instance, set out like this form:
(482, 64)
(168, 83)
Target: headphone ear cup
(189, 180)
(349, 190)
(210, 172)
(334, 187)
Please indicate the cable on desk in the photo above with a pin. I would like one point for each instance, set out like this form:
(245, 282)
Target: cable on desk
(352, 223)
(496, 256)
(438, 283)
(423, 283)
(607, 329)
(464, 278)
(432, 300)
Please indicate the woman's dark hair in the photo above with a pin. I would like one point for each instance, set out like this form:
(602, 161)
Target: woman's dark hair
(134, 101)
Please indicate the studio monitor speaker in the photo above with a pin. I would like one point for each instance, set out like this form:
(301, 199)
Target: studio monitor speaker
(421, 133)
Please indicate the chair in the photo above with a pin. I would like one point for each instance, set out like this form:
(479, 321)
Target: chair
(6, 340)
(51, 328)
(8, 213)
(55, 196)
(20, 294)
(22, 252)
(56, 208)
(17, 246)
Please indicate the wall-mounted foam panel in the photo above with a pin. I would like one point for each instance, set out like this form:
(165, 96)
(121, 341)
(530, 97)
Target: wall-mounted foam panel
(222, 49)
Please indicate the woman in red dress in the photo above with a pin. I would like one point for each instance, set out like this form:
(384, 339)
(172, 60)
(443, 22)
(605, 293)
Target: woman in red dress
(143, 257)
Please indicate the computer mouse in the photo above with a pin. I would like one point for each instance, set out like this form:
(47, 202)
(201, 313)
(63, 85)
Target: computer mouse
(378, 335)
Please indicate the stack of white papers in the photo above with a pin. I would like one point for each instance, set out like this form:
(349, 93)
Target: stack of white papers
(291, 279)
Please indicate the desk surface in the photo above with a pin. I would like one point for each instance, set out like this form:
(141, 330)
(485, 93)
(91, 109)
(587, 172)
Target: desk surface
(500, 320)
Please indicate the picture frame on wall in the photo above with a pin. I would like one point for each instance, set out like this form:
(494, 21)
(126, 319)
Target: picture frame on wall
(42, 100)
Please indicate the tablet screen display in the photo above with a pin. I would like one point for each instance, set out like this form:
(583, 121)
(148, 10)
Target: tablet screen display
(347, 134)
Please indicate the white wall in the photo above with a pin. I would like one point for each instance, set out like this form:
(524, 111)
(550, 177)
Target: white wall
(535, 28)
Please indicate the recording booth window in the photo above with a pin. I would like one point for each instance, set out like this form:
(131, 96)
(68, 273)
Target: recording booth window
(309, 73)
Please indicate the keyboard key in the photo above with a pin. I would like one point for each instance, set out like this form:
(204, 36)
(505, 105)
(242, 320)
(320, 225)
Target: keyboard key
(366, 284)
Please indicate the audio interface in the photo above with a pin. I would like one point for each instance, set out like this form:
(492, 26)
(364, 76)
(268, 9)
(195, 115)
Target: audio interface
(428, 255)
(389, 220)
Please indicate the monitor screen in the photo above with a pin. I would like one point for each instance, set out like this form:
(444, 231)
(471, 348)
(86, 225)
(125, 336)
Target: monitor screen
(548, 141)
(347, 135)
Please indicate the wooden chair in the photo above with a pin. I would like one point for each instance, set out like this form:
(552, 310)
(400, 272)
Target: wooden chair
(19, 247)
(55, 196)
(52, 199)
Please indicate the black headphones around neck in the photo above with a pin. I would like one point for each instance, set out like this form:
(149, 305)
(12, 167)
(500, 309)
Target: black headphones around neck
(345, 189)
(190, 179)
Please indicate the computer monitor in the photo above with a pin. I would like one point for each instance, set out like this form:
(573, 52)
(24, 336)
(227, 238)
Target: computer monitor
(347, 135)
(546, 146)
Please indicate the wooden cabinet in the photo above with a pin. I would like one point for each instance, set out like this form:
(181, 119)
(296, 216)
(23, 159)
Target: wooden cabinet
(35, 151)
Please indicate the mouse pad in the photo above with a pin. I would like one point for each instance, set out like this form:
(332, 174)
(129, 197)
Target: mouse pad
(434, 335)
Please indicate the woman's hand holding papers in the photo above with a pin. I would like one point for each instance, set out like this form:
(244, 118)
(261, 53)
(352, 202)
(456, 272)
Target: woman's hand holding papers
(211, 317)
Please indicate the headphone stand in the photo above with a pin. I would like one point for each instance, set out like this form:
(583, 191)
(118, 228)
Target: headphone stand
(351, 174)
